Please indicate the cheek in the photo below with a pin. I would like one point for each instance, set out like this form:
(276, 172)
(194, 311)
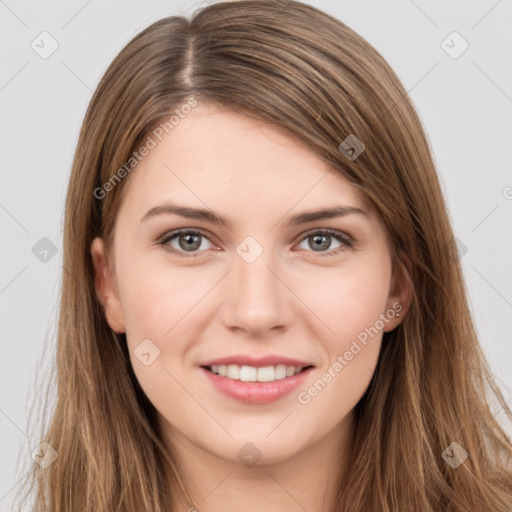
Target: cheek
(352, 310)
(168, 307)
(158, 300)
(347, 300)
(161, 310)
(350, 302)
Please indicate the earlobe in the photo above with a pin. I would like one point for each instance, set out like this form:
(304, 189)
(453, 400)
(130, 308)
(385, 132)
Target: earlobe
(106, 290)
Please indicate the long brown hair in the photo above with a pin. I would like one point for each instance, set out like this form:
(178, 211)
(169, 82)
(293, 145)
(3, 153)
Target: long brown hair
(296, 67)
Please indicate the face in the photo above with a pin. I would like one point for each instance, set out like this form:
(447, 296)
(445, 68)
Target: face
(273, 288)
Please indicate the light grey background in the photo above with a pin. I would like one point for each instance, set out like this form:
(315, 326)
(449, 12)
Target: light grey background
(465, 104)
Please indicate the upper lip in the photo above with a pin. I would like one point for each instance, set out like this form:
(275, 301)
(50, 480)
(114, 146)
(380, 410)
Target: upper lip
(258, 362)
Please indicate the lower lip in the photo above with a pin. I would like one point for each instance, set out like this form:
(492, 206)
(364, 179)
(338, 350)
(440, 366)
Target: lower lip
(256, 392)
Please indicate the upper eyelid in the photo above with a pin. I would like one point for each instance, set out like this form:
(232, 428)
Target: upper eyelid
(175, 232)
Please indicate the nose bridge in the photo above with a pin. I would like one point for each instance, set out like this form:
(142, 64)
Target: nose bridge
(258, 300)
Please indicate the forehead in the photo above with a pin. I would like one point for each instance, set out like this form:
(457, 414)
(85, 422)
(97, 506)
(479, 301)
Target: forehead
(224, 160)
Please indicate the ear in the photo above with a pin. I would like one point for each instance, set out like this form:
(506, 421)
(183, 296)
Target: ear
(106, 289)
(400, 291)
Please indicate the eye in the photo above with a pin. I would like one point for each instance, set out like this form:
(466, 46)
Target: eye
(320, 240)
(184, 241)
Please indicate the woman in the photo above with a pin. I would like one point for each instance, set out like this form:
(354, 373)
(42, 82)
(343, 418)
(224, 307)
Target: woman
(262, 301)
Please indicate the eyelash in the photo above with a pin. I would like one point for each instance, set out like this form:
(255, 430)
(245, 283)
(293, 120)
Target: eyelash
(345, 240)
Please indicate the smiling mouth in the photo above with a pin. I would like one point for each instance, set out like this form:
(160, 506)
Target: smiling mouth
(246, 373)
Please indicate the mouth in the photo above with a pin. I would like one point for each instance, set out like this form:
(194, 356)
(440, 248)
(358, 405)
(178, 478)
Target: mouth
(256, 385)
(246, 373)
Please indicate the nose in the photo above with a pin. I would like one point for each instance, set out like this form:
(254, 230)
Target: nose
(257, 299)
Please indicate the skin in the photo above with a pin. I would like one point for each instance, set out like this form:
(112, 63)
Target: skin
(292, 300)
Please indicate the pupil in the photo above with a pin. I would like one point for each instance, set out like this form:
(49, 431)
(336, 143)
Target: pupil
(192, 241)
(318, 241)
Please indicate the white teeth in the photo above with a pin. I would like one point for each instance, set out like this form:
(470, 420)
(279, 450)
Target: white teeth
(253, 374)
(248, 374)
(280, 371)
(290, 370)
(266, 374)
(233, 372)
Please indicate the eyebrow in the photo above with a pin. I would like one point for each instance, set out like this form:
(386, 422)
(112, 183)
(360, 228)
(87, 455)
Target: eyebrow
(215, 218)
